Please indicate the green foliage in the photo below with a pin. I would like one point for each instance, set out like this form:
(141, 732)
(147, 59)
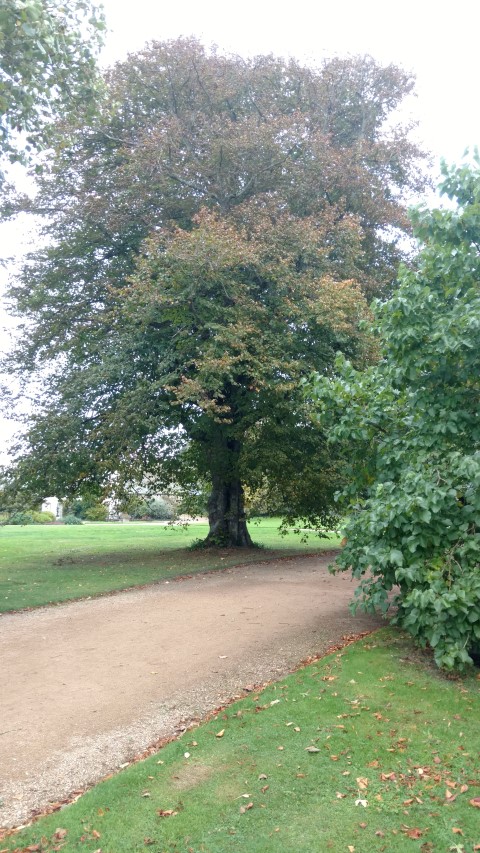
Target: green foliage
(48, 54)
(211, 238)
(44, 517)
(72, 519)
(97, 512)
(21, 518)
(158, 509)
(411, 430)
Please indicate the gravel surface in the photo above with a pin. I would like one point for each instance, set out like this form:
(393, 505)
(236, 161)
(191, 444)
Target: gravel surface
(89, 685)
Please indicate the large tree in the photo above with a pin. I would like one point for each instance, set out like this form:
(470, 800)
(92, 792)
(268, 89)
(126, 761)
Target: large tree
(412, 430)
(213, 235)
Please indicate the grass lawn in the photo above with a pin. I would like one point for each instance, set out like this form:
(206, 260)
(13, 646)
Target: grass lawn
(45, 564)
(393, 765)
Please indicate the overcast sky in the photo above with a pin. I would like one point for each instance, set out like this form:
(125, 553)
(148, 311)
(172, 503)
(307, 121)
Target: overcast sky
(438, 42)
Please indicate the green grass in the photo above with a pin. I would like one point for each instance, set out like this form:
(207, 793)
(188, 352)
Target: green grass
(389, 730)
(41, 565)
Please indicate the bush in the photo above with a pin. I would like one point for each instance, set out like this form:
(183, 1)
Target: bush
(21, 518)
(71, 519)
(44, 517)
(410, 429)
(98, 512)
(158, 509)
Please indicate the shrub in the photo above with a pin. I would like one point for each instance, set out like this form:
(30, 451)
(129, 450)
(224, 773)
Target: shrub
(21, 517)
(71, 519)
(98, 512)
(158, 509)
(410, 430)
(44, 517)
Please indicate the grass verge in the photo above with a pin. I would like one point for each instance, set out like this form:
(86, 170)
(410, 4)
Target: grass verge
(43, 565)
(369, 749)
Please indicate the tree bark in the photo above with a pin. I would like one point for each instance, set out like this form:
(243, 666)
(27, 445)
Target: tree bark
(226, 515)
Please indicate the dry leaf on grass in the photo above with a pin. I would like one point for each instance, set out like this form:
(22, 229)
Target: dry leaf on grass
(60, 833)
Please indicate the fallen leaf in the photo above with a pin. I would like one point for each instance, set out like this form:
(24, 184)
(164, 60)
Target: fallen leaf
(220, 733)
(351, 848)
(362, 825)
(265, 788)
(414, 832)
(60, 833)
(387, 777)
(340, 796)
(380, 833)
(246, 808)
(146, 794)
(437, 760)
(166, 812)
(263, 776)
(147, 841)
(463, 789)
(311, 749)
(95, 834)
(457, 831)
(274, 701)
(362, 783)
(475, 802)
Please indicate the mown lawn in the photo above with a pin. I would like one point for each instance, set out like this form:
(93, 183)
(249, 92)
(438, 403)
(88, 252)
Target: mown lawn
(370, 749)
(41, 565)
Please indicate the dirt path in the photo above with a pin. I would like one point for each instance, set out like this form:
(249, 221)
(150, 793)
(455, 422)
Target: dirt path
(88, 685)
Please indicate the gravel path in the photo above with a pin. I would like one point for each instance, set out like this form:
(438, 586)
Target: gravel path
(89, 685)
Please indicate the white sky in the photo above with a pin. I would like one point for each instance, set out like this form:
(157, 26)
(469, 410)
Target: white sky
(438, 41)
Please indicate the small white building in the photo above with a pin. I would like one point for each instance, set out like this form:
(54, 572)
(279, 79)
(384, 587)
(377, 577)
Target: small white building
(53, 505)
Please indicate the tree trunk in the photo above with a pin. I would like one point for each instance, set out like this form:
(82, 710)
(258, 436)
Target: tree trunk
(226, 515)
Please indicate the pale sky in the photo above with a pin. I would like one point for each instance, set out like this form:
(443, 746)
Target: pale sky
(438, 42)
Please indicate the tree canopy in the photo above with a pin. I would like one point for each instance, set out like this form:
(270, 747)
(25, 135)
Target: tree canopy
(48, 52)
(214, 235)
(411, 425)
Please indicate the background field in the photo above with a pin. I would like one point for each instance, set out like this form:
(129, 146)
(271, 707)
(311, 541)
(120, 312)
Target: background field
(45, 564)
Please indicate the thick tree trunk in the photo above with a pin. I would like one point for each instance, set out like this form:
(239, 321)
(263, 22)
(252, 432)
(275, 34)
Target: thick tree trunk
(226, 515)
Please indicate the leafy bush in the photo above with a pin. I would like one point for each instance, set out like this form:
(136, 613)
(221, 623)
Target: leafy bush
(71, 519)
(21, 517)
(411, 428)
(44, 517)
(158, 509)
(97, 512)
